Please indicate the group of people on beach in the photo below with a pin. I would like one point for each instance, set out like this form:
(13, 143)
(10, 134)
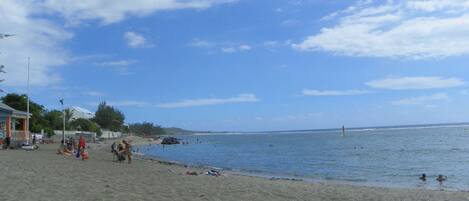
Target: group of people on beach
(72, 148)
(122, 150)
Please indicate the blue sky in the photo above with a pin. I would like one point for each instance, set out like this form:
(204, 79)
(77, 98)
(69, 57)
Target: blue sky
(245, 65)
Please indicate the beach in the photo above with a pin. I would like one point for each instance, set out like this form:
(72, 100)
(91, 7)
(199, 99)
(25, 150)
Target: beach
(44, 175)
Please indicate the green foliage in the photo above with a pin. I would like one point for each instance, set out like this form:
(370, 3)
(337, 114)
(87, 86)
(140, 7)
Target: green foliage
(146, 129)
(106, 117)
(109, 118)
(177, 131)
(49, 132)
(55, 119)
(19, 102)
(85, 125)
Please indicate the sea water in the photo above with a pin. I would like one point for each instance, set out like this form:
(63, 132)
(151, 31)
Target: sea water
(391, 156)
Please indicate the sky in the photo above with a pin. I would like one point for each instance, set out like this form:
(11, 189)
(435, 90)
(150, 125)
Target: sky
(243, 65)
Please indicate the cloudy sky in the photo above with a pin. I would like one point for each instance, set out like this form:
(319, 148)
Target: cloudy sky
(244, 65)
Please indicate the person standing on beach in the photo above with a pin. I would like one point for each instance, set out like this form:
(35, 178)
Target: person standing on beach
(7, 142)
(128, 150)
(81, 145)
(114, 151)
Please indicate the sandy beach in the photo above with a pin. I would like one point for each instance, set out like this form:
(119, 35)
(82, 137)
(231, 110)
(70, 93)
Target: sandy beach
(43, 175)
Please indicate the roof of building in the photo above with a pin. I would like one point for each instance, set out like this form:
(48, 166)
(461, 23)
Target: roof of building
(5, 107)
(80, 109)
(13, 111)
(86, 113)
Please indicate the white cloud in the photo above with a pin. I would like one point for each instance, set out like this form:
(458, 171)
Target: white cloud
(135, 40)
(201, 43)
(116, 63)
(224, 47)
(239, 48)
(423, 100)
(121, 67)
(128, 103)
(409, 29)
(241, 98)
(40, 37)
(36, 38)
(94, 93)
(290, 22)
(244, 47)
(228, 49)
(312, 92)
(110, 11)
(271, 45)
(404, 83)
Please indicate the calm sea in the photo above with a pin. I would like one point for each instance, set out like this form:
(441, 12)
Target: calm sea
(392, 156)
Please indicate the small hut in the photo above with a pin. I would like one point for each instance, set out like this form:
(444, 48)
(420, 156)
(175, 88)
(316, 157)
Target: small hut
(13, 124)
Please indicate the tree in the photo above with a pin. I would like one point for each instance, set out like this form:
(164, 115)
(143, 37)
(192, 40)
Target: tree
(109, 118)
(85, 125)
(55, 119)
(146, 129)
(19, 102)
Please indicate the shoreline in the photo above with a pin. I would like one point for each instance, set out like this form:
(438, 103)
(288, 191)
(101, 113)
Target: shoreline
(56, 177)
(273, 176)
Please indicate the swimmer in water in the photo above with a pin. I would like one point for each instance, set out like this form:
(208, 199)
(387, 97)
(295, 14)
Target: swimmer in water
(441, 179)
(423, 177)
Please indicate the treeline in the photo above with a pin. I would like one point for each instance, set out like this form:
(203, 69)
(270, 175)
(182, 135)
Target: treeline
(106, 118)
(146, 129)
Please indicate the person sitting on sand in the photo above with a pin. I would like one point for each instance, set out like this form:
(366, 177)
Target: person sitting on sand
(65, 151)
(84, 154)
(423, 177)
(441, 178)
(69, 143)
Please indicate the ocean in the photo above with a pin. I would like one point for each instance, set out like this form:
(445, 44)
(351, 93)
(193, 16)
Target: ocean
(387, 156)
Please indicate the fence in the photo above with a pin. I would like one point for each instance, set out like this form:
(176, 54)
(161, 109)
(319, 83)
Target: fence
(19, 136)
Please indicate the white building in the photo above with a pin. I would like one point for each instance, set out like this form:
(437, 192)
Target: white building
(78, 112)
(110, 134)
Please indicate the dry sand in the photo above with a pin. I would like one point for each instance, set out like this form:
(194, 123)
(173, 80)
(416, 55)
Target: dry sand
(43, 175)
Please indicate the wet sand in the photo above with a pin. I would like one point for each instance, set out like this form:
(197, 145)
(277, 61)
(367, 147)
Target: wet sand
(43, 175)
